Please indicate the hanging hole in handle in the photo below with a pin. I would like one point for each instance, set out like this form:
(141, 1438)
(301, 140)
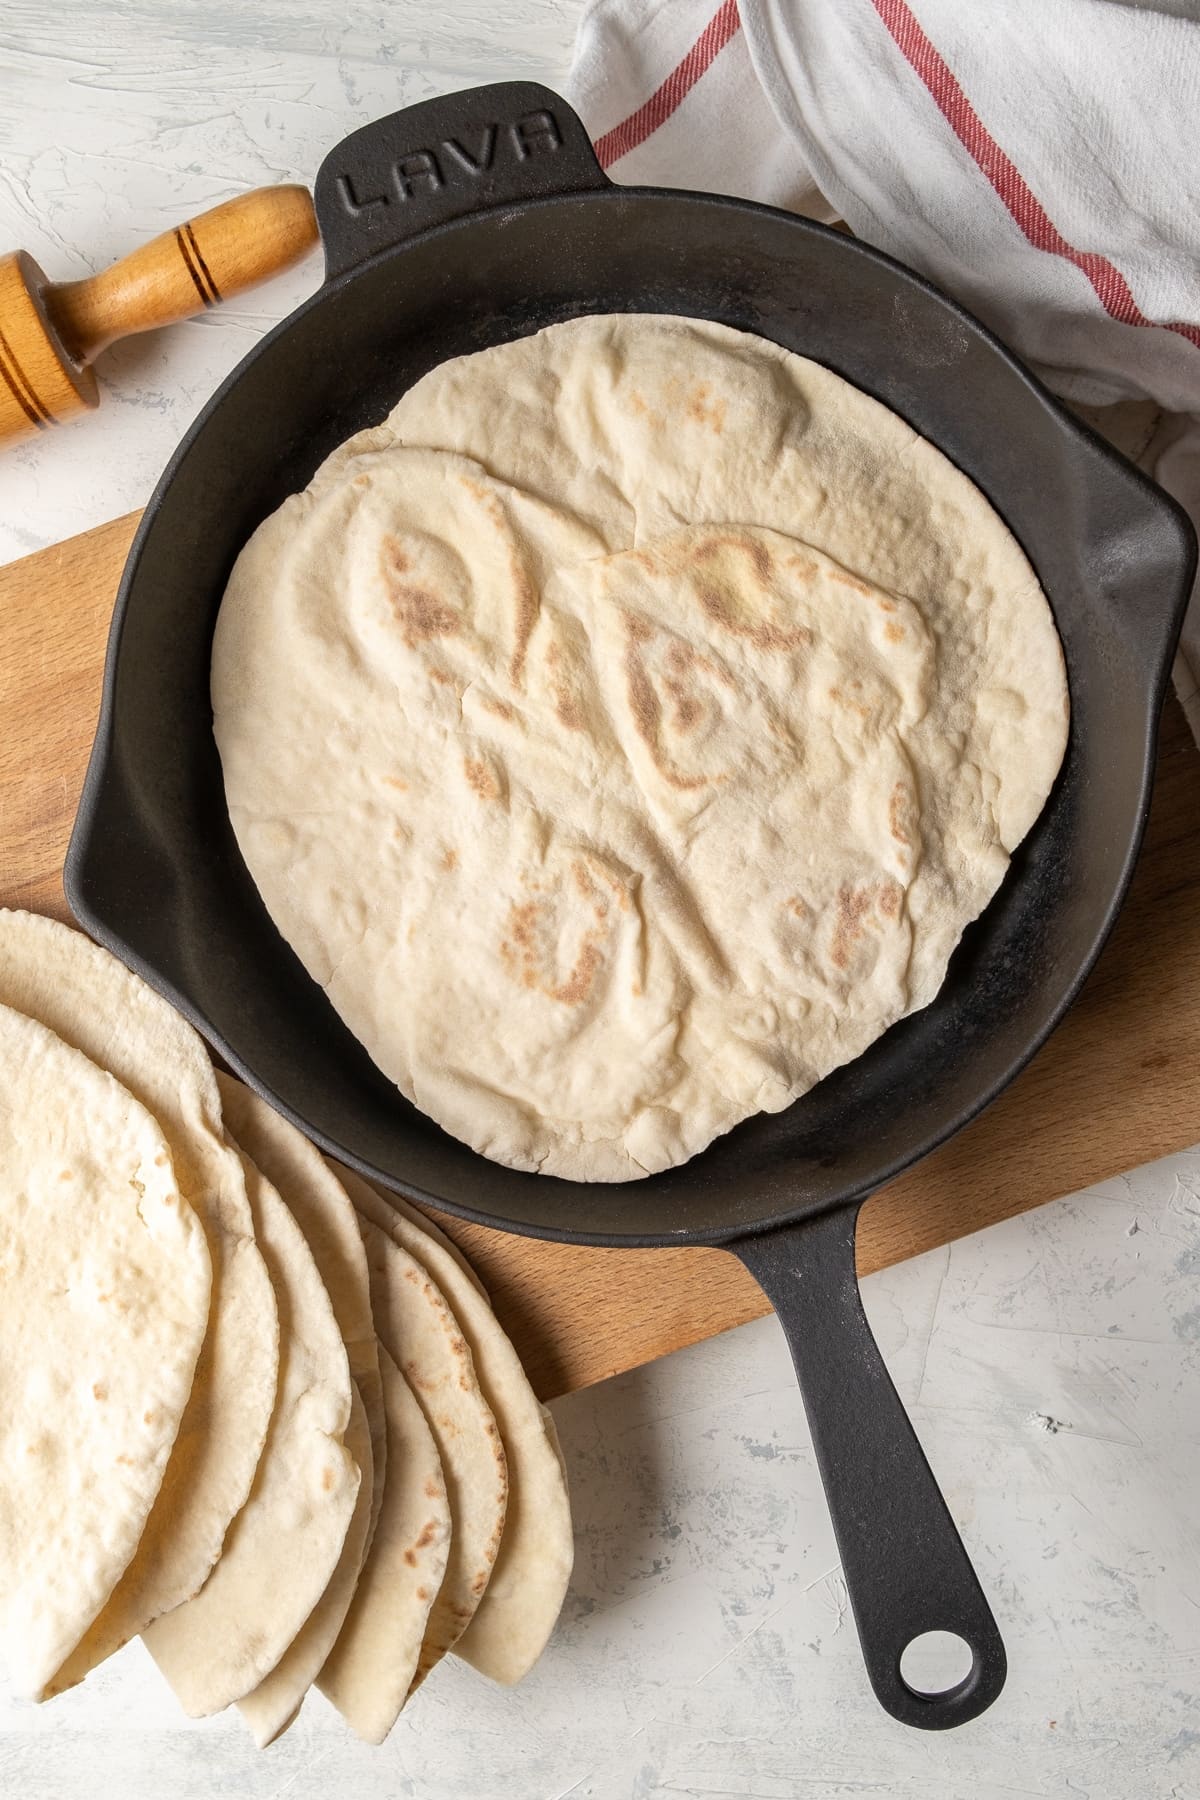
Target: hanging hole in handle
(934, 1663)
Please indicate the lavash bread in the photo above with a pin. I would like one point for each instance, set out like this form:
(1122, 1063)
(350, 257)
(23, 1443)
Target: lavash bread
(624, 733)
(423, 1339)
(372, 1666)
(319, 1204)
(282, 1548)
(528, 1583)
(301, 1589)
(106, 1281)
(93, 1002)
(270, 1708)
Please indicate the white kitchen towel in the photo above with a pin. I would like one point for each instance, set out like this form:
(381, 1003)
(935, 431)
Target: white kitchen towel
(1038, 159)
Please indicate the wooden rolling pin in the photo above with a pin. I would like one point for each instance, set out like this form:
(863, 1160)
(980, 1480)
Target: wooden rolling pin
(49, 334)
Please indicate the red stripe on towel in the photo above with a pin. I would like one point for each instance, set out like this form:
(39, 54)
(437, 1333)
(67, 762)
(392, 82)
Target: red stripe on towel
(640, 125)
(1112, 289)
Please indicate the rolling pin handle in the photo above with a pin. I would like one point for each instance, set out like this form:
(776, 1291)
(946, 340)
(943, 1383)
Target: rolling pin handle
(182, 272)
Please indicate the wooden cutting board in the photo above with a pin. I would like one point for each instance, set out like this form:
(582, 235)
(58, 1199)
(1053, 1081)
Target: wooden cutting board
(1117, 1085)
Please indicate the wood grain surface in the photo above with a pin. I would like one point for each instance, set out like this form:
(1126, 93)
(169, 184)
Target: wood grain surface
(1118, 1084)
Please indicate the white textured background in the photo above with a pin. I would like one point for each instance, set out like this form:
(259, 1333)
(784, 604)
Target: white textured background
(1052, 1363)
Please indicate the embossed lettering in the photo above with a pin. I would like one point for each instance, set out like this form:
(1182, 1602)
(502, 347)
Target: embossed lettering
(466, 159)
(418, 165)
(534, 132)
(351, 201)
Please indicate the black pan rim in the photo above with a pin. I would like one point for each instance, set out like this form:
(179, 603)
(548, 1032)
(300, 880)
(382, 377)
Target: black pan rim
(75, 877)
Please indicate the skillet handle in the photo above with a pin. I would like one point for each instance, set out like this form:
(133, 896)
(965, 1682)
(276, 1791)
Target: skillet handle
(461, 153)
(905, 1566)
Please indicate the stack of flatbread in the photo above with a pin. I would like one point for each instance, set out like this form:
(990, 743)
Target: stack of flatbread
(248, 1409)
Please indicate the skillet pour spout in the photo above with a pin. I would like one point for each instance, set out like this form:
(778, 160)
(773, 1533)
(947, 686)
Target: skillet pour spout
(468, 221)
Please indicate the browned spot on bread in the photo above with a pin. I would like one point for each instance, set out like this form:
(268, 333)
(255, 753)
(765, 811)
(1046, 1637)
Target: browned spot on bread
(720, 600)
(647, 711)
(99, 1391)
(327, 1478)
(578, 985)
(443, 677)
(796, 905)
(422, 1593)
(853, 905)
(419, 612)
(899, 816)
(410, 1557)
(589, 891)
(527, 952)
(67, 1174)
(482, 777)
(760, 556)
(893, 633)
(523, 919)
(500, 708)
(432, 1490)
(704, 411)
(394, 781)
(766, 636)
(884, 604)
(854, 706)
(160, 1162)
(804, 566)
(638, 404)
(527, 612)
(124, 1459)
(553, 656)
(850, 581)
(567, 708)
(683, 657)
(686, 710)
(422, 615)
(636, 990)
(148, 1418)
(449, 860)
(428, 1533)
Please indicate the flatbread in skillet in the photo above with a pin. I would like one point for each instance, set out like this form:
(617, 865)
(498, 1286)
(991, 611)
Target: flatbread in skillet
(624, 733)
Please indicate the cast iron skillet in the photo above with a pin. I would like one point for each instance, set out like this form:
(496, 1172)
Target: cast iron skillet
(477, 218)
